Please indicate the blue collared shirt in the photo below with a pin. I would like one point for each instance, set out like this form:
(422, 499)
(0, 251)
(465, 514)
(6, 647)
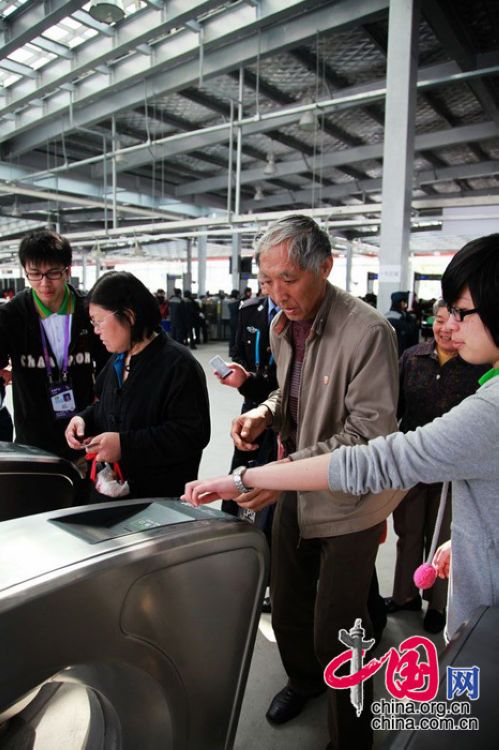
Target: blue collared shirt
(272, 311)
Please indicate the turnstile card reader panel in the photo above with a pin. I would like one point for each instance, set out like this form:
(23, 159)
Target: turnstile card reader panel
(108, 523)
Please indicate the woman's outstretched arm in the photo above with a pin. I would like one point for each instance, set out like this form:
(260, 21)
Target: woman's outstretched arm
(307, 474)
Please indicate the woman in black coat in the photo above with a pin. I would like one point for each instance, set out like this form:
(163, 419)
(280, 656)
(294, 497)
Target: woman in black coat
(152, 412)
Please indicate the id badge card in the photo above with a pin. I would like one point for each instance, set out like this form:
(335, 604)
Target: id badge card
(62, 400)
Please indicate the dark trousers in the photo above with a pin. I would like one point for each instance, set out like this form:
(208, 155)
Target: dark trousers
(204, 331)
(319, 586)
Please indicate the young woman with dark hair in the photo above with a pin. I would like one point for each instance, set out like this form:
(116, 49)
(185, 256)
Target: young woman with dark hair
(476, 268)
(152, 412)
(462, 446)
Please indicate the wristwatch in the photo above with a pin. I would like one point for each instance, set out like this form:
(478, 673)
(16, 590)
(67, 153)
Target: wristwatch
(237, 476)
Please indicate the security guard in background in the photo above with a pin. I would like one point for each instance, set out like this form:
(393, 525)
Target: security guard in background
(252, 352)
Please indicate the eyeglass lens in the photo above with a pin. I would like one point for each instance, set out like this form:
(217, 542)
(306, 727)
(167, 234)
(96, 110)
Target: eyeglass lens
(98, 323)
(459, 314)
(52, 275)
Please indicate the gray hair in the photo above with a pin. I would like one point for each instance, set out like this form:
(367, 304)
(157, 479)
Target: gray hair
(439, 303)
(308, 245)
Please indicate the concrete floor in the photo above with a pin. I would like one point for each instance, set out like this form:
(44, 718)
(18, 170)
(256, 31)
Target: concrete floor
(267, 677)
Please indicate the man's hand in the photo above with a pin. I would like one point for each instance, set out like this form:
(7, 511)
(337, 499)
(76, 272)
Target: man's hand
(237, 377)
(441, 560)
(74, 433)
(7, 376)
(257, 499)
(106, 446)
(247, 427)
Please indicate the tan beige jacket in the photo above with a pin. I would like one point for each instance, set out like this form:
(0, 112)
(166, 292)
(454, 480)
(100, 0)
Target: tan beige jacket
(348, 395)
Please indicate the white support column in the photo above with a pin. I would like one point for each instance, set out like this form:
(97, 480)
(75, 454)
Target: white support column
(237, 197)
(84, 270)
(114, 174)
(349, 259)
(189, 262)
(236, 254)
(202, 252)
(398, 158)
(97, 265)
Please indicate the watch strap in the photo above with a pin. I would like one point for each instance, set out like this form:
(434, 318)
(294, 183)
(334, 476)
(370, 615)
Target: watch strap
(237, 477)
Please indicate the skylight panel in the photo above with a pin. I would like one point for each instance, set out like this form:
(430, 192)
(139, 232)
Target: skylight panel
(10, 79)
(71, 23)
(21, 55)
(55, 33)
(9, 6)
(70, 32)
(41, 59)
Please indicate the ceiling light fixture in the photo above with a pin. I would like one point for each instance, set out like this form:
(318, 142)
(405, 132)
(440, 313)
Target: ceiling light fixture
(270, 167)
(107, 11)
(137, 250)
(308, 121)
(16, 211)
(258, 194)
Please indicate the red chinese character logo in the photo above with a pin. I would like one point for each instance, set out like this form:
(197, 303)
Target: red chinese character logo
(411, 674)
(411, 671)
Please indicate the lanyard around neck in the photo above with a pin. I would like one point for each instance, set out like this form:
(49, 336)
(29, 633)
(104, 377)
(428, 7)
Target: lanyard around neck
(45, 348)
(257, 350)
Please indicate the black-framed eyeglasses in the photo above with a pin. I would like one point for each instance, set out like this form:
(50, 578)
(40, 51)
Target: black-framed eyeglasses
(459, 314)
(53, 275)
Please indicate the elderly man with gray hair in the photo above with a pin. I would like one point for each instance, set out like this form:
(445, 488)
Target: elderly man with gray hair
(433, 379)
(336, 363)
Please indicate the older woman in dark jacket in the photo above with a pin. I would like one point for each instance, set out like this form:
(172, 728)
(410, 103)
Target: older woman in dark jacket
(152, 412)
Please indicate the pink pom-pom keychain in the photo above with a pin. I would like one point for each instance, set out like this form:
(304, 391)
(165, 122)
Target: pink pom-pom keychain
(425, 576)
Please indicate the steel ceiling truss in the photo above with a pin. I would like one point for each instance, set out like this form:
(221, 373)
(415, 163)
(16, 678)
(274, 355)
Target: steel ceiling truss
(168, 75)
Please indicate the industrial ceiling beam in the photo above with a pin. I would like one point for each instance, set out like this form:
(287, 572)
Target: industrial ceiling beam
(32, 19)
(103, 49)
(437, 139)
(251, 221)
(19, 180)
(450, 31)
(206, 137)
(216, 105)
(174, 65)
(344, 190)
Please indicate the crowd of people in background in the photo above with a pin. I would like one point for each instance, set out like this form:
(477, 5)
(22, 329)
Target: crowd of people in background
(192, 320)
